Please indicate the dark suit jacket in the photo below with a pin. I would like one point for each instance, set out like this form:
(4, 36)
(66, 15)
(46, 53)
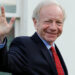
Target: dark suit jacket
(29, 56)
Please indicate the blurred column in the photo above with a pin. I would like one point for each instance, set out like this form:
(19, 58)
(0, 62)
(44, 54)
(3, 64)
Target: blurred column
(22, 18)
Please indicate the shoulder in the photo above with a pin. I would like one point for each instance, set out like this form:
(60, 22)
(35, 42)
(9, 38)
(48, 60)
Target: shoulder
(21, 40)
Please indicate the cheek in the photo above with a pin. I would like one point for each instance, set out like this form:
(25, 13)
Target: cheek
(60, 31)
(45, 27)
(41, 28)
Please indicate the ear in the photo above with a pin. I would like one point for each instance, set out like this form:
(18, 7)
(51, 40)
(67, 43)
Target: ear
(35, 23)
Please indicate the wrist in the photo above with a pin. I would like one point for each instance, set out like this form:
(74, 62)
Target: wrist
(1, 39)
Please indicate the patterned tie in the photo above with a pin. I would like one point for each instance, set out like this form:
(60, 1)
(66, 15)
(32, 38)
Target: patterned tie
(57, 62)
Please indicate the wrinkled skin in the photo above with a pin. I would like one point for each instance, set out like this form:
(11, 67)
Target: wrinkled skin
(50, 24)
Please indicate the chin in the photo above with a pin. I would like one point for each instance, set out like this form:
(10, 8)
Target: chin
(50, 40)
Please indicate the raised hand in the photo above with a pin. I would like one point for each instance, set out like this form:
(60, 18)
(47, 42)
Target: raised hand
(5, 27)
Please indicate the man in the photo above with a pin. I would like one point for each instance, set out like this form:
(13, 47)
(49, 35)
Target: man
(33, 55)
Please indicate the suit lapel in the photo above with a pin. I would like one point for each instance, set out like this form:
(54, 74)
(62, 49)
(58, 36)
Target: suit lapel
(45, 53)
(48, 58)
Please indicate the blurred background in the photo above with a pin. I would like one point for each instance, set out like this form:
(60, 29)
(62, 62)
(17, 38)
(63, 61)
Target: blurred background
(23, 9)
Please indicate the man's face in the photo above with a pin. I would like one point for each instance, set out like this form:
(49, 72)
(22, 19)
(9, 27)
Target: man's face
(50, 23)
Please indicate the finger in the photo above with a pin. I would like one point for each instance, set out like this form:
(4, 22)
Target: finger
(2, 11)
(12, 21)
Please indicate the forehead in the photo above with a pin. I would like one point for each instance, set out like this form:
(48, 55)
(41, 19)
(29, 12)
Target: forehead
(51, 11)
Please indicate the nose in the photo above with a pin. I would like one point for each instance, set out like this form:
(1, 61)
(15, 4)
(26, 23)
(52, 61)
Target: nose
(53, 26)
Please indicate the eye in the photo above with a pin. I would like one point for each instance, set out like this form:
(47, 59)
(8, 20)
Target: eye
(48, 21)
(59, 22)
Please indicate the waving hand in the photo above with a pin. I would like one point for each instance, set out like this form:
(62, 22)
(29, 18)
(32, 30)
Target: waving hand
(5, 27)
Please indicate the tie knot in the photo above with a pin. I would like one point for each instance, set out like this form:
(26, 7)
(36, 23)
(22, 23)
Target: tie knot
(52, 49)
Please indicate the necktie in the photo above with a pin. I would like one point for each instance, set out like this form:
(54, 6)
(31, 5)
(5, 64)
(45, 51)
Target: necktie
(57, 62)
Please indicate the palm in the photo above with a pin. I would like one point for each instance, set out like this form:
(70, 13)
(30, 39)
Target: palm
(5, 27)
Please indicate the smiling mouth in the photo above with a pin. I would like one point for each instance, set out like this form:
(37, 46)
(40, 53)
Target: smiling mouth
(51, 33)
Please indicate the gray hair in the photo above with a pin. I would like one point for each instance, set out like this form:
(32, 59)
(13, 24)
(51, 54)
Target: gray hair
(36, 11)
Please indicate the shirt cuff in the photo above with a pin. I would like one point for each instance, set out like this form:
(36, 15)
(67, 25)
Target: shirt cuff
(4, 42)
